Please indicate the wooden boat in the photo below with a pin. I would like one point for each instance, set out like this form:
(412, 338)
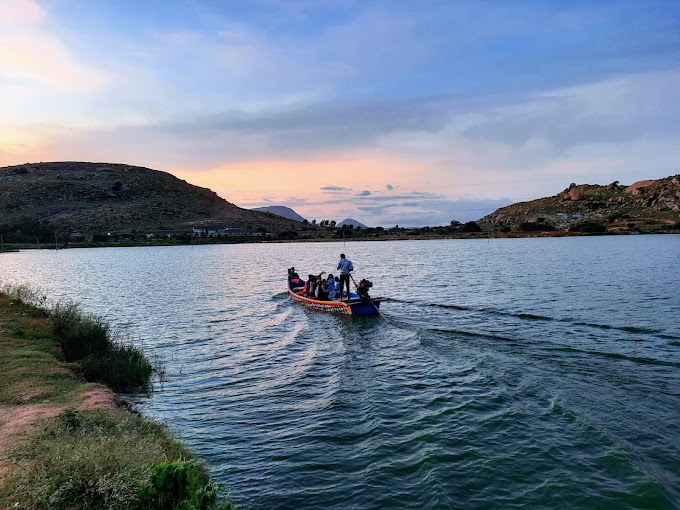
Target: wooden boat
(354, 306)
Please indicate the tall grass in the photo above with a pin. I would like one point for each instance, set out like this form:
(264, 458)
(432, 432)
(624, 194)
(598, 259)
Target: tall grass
(100, 354)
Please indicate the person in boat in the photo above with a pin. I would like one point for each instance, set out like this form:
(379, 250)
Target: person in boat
(296, 283)
(311, 286)
(331, 288)
(345, 266)
(321, 293)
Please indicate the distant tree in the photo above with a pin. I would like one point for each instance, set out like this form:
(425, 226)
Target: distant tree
(305, 222)
(530, 226)
(455, 223)
(589, 226)
(470, 226)
(379, 229)
(288, 234)
(313, 222)
(333, 224)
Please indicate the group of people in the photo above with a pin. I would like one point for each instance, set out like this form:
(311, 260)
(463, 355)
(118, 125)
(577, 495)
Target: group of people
(316, 287)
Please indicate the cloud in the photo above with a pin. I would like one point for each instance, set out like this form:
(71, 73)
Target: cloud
(335, 189)
(30, 53)
(321, 126)
(602, 112)
(415, 209)
(419, 209)
(389, 187)
(20, 11)
(364, 193)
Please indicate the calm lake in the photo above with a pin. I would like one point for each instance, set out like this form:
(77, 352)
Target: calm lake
(505, 373)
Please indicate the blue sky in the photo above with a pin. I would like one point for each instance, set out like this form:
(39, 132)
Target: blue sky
(420, 112)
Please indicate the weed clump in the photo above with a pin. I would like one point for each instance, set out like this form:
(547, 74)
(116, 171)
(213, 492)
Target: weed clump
(98, 353)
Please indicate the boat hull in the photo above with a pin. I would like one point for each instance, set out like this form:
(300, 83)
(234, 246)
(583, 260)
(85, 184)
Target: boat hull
(353, 307)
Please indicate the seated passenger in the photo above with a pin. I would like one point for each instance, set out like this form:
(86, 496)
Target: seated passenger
(331, 287)
(311, 286)
(296, 283)
(321, 293)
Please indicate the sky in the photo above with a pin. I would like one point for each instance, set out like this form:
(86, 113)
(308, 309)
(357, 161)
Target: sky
(389, 112)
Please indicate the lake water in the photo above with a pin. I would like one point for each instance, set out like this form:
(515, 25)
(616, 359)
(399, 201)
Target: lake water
(505, 373)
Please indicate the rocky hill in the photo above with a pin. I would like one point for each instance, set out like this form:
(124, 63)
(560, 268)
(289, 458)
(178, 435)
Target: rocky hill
(104, 197)
(353, 223)
(280, 210)
(651, 204)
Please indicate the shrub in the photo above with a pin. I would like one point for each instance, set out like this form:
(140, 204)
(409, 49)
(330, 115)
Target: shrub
(530, 226)
(25, 295)
(181, 484)
(100, 356)
(470, 226)
(122, 368)
(80, 335)
(588, 226)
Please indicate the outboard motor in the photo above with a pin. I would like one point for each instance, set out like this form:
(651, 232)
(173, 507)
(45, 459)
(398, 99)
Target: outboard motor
(362, 289)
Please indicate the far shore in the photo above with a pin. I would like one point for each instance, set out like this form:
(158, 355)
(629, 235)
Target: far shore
(418, 236)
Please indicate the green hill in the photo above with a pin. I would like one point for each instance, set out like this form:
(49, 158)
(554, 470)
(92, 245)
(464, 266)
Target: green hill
(105, 197)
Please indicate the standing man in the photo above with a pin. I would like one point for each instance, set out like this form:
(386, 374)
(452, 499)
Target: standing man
(344, 266)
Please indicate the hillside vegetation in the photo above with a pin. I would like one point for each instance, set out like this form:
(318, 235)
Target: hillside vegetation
(644, 205)
(104, 197)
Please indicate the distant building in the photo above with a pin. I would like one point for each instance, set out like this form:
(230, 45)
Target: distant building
(208, 230)
(164, 233)
(219, 230)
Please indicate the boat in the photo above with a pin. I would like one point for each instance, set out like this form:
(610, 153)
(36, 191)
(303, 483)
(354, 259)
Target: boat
(355, 305)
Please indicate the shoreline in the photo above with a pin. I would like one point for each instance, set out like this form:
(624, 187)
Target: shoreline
(386, 237)
(66, 440)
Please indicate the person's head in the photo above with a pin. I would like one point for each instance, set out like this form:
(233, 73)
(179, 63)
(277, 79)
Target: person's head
(337, 278)
(342, 255)
(330, 276)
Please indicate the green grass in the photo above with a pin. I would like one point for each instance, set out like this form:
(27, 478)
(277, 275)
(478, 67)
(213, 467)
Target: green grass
(99, 353)
(105, 459)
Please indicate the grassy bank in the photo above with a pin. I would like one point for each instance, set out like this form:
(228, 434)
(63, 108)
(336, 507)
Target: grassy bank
(65, 440)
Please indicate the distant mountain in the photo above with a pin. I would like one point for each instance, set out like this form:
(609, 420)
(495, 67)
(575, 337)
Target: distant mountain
(350, 221)
(644, 204)
(280, 210)
(106, 197)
